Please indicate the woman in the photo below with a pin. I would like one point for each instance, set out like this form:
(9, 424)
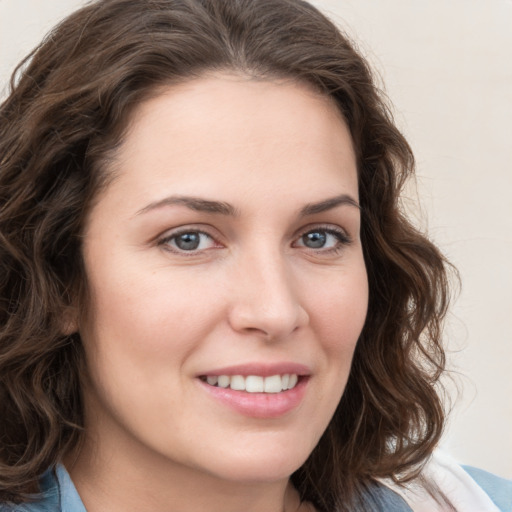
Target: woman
(210, 298)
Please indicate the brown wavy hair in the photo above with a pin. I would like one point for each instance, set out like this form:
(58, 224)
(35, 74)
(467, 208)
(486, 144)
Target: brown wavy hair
(69, 105)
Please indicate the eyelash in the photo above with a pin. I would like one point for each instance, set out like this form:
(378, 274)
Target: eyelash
(341, 236)
(165, 242)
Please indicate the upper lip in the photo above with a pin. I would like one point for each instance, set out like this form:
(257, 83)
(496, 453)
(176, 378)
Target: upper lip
(260, 369)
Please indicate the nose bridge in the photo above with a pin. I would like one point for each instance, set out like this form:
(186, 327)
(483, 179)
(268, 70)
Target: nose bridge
(266, 299)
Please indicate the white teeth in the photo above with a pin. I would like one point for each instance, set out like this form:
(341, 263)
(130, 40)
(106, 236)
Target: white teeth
(223, 381)
(254, 383)
(212, 380)
(238, 383)
(273, 384)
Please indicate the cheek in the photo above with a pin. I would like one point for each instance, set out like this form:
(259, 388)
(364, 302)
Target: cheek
(150, 312)
(338, 312)
(140, 333)
(337, 315)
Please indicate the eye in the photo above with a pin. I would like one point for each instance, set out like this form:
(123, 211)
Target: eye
(323, 239)
(188, 241)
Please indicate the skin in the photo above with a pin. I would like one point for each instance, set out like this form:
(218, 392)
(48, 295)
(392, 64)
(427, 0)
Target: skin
(253, 291)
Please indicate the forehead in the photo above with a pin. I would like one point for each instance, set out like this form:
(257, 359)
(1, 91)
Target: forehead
(231, 130)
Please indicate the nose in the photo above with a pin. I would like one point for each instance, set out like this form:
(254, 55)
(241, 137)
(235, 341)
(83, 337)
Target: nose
(265, 301)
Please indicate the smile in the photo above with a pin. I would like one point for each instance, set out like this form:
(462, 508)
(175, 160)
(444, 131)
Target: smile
(254, 383)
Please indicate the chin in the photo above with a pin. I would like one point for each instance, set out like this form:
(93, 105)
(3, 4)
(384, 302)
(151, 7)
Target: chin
(262, 464)
(261, 471)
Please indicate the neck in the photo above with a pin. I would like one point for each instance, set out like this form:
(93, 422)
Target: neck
(126, 480)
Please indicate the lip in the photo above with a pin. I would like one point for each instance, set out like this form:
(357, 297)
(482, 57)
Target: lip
(263, 370)
(259, 405)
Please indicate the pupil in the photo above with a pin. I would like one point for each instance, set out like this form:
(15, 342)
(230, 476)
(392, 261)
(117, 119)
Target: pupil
(188, 241)
(314, 240)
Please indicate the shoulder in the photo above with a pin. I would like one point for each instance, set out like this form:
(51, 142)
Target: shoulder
(58, 494)
(47, 501)
(444, 481)
(381, 498)
(498, 489)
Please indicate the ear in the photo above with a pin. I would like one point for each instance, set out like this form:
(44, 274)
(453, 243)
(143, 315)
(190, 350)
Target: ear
(69, 321)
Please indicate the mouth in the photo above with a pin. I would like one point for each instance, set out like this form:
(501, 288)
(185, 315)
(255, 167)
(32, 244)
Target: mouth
(254, 383)
(258, 390)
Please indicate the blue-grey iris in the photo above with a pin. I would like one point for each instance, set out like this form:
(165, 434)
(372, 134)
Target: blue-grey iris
(315, 239)
(188, 241)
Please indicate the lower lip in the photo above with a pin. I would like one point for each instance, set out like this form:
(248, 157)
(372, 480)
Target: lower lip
(259, 405)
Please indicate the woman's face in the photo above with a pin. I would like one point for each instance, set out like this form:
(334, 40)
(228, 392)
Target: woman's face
(224, 265)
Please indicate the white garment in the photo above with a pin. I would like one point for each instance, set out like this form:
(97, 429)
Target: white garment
(456, 484)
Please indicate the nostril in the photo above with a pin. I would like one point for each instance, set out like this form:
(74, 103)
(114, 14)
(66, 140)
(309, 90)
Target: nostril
(268, 322)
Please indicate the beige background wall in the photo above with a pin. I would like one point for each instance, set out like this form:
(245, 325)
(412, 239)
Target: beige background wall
(447, 67)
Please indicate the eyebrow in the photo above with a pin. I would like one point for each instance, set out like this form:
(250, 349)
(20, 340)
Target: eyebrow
(194, 203)
(328, 204)
(220, 207)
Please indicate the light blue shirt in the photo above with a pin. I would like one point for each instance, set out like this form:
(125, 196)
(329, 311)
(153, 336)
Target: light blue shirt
(60, 495)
